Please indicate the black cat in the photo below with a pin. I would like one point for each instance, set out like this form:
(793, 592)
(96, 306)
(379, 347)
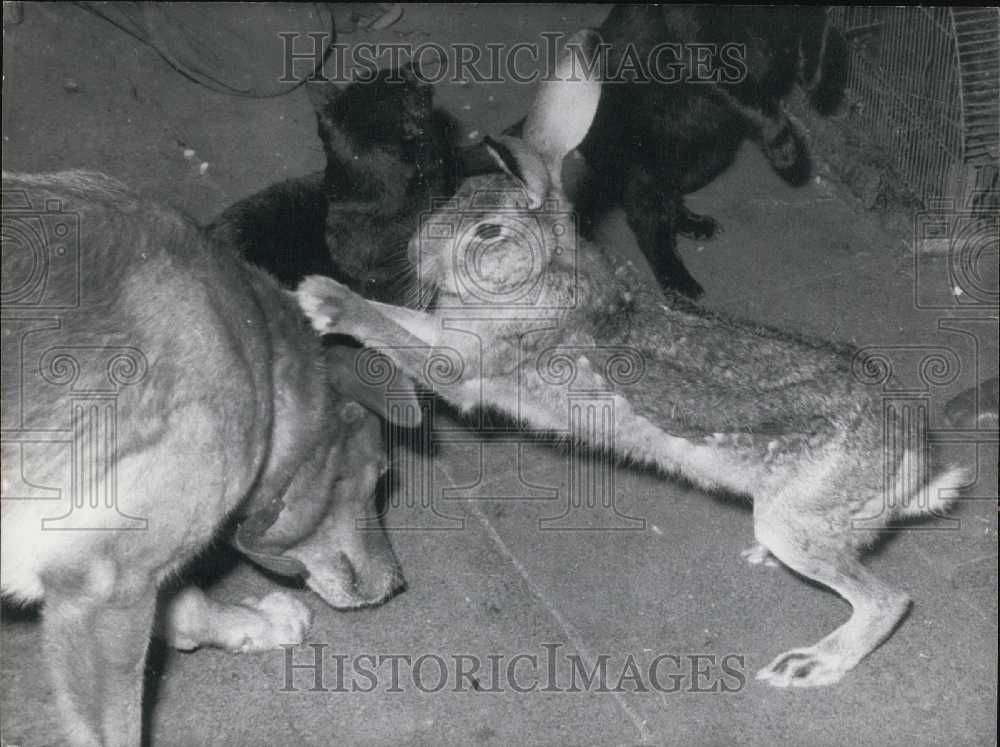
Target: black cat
(388, 153)
(654, 141)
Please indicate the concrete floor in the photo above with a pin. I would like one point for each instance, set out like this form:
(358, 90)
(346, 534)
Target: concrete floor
(490, 582)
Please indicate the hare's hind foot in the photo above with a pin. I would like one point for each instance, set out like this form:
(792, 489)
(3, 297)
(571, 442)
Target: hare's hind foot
(804, 667)
(826, 662)
(818, 553)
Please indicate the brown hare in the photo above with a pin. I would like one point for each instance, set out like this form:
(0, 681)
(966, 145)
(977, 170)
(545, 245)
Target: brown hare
(520, 300)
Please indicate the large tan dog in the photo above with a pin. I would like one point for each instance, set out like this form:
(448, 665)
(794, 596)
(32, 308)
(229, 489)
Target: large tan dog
(155, 386)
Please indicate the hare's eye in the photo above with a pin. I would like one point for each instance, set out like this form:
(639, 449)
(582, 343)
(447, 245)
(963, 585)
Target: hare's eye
(488, 230)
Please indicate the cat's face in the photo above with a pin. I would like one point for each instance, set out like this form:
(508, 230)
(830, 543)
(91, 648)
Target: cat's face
(390, 114)
(369, 254)
(387, 156)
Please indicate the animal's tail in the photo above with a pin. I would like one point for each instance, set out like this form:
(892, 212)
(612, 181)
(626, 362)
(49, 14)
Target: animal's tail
(785, 146)
(976, 407)
(932, 497)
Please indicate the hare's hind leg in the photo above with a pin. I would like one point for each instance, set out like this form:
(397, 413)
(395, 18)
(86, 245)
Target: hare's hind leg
(824, 551)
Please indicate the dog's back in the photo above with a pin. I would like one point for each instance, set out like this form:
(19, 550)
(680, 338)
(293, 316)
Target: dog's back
(139, 386)
(145, 312)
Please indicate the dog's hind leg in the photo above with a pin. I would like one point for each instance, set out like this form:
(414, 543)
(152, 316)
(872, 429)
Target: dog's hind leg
(94, 642)
(825, 553)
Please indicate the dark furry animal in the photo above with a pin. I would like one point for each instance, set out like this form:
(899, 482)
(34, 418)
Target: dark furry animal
(653, 141)
(388, 153)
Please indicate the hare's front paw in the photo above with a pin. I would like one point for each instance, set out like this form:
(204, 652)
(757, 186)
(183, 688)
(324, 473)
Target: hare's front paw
(275, 620)
(804, 667)
(759, 555)
(325, 302)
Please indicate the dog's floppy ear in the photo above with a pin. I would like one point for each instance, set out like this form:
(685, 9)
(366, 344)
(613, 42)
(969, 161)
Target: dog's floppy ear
(566, 101)
(346, 372)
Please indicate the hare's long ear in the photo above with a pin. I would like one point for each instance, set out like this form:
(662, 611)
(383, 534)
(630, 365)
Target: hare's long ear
(523, 163)
(566, 101)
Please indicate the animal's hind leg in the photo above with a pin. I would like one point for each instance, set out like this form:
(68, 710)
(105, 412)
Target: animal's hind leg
(652, 216)
(693, 225)
(827, 555)
(96, 651)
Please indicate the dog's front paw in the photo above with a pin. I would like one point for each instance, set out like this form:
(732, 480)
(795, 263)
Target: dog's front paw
(804, 667)
(760, 555)
(276, 620)
(325, 302)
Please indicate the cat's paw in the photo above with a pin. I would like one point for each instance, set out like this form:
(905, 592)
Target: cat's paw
(698, 227)
(685, 285)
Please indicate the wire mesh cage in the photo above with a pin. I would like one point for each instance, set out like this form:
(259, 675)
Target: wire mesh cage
(925, 87)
